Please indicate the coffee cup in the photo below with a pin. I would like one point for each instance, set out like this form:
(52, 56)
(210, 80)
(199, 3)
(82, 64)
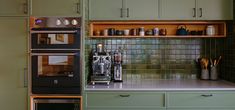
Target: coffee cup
(126, 32)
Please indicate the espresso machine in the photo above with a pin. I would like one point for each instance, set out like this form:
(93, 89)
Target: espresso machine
(117, 63)
(101, 66)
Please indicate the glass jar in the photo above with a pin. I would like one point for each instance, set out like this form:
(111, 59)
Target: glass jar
(210, 30)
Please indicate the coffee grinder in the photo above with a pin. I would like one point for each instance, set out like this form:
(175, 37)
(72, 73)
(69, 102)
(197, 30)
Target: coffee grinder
(101, 66)
(117, 62)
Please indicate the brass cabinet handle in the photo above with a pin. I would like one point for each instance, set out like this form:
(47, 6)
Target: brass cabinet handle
(125, 95)
(78, 7)
(194, 12)
(201, 12)
(207, 95)
(25, 6)
(127, 12)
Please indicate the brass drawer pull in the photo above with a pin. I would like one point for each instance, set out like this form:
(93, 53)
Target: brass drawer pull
(207, 95)
(125, 95)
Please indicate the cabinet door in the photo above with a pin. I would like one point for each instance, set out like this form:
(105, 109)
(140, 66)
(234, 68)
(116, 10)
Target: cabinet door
(13, 37)
(13, 7)
(131, 100)
(215, 9)
(105, 10)
(56, 7)
(141, 9)
(177, 9)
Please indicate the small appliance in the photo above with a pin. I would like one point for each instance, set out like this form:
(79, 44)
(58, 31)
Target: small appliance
(117, 66)
(101, 66)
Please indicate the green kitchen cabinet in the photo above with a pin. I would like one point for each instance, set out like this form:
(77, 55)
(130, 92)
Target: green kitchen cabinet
(105, 9)
(177, 9)
(125, 101)
(214, 9)
(123, 9)
(56, 7)
(196, 9)
(13, 7)
(201, 100)
(13, 61)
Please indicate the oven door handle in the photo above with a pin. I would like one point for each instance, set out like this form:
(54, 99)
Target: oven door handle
(56, 101)
(36, 54)
(35, 32)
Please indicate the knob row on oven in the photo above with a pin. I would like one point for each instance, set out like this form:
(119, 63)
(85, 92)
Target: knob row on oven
(66, 22)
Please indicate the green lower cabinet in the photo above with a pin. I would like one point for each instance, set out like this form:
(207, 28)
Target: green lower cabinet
(201, 101)
(202, 109)
(127, 109)
(125, 101)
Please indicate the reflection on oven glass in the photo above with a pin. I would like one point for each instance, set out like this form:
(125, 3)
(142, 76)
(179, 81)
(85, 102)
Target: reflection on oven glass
(55, 66)
(55, 38)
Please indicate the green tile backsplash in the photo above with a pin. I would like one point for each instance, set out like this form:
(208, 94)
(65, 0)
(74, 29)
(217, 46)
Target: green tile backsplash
(154, 58)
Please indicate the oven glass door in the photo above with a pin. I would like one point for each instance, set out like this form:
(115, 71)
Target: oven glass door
(56, 104)
(62, 67)
(55, 39)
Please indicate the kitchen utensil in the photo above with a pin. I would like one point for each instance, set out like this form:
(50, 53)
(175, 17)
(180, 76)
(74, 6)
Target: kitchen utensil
(111, 31)
(218, 60)
(126, 32)
(213, 73)
(181, 30)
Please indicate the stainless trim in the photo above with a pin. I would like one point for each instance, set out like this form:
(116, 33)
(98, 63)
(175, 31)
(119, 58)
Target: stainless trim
(201, 12)
(35, 54)
(56, 49)
(194, 12)
(56, 101)
(48, 32)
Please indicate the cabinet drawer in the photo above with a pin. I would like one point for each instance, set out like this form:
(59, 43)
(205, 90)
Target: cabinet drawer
(125, 100)
(201, 99)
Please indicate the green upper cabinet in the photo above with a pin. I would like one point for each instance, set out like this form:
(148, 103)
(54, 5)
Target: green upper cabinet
(105, 9)
(215, 9)
(177, 9)
(123, 9)
(13, 8)
(56, 7)
(196, 9)
(13, 57)
(141, 9)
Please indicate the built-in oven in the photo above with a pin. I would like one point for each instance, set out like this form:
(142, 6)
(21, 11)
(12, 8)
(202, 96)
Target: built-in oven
(56, 104)
(56, 73)
(55, 33)
(55, 55)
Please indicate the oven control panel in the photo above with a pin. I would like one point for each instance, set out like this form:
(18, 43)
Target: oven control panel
(55, 22)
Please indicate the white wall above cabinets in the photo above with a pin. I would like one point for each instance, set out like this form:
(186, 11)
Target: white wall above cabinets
(13, 7)
(56, 7)
(123, 9)
(196, 9)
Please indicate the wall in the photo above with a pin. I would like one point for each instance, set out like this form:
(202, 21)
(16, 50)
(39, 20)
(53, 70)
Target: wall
(228, 64)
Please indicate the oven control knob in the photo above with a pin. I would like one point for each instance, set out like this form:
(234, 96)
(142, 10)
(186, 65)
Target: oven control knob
(66, 22)
(58, 22)
(74, 22)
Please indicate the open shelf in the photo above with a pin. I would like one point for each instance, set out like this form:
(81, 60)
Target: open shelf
(170, 26)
